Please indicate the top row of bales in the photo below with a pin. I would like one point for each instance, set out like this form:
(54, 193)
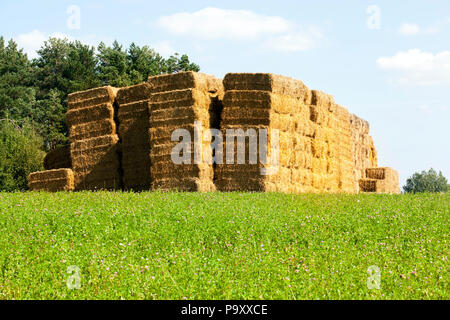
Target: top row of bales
(122, 138)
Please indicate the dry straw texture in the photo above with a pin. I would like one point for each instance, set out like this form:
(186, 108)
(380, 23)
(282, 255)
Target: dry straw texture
(177, 102)
(266, 101)
(96, 163)
(52, 180)
(58, 159)
(387, 180)
(322, 147)
(123, 138)
(94, 141)
(363, 149)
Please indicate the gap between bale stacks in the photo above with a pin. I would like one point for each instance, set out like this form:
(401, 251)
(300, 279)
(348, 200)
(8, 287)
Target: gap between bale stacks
(58, 158)
(133, 122)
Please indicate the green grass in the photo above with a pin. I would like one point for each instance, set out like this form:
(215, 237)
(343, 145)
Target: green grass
(223, 246)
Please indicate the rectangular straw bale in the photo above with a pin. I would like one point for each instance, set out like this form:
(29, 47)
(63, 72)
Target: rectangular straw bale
(378, 173)
(91, 97)
(322, 99)
(201, 171)
(184, 80)
(90, 114)
(371, 185)
(92, 130)
(52, 180)
(235, 184)
(184, 185)
(96, 160)
(132, 94)
(267, 82)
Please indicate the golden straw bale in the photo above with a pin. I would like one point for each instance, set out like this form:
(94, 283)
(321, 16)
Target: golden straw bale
(185, 80)
(92, 130)
(90, 114)
(52, 180)
(267, 82)
(92, 96)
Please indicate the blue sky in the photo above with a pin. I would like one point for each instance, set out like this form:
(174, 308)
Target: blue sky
(386, 61)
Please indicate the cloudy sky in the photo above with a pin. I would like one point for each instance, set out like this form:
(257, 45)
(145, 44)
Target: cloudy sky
(386, 61)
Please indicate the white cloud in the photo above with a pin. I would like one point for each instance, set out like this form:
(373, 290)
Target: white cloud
(297, 41)
(164, 48)
(215, 23)
(273, 32)
(408, 29)
(31, 42)
(412, 29)
(416, 67)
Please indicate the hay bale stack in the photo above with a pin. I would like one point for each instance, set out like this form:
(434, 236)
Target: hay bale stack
(58, 158)
(371, 185)
(179, 101)
(134, 127)
(380, 180)
(363, 149)
(389, 177)
(94, 141)
(317, 141)
(52, 180)
(266, 102)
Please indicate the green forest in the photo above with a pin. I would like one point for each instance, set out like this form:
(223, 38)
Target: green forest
(33, 93)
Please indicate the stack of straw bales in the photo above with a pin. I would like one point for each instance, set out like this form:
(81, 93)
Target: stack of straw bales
(332, 163)
(58, 159)
(267, 102)
(322, 147)
(51, 180)
(94, 141)
(178, 102)
(363, 149)
(380, 180)
(123, 138)
(133, 118)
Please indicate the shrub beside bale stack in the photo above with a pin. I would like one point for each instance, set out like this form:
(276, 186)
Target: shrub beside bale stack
(179, 101)
(94, 141)
(51, 180)
(133, 118)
